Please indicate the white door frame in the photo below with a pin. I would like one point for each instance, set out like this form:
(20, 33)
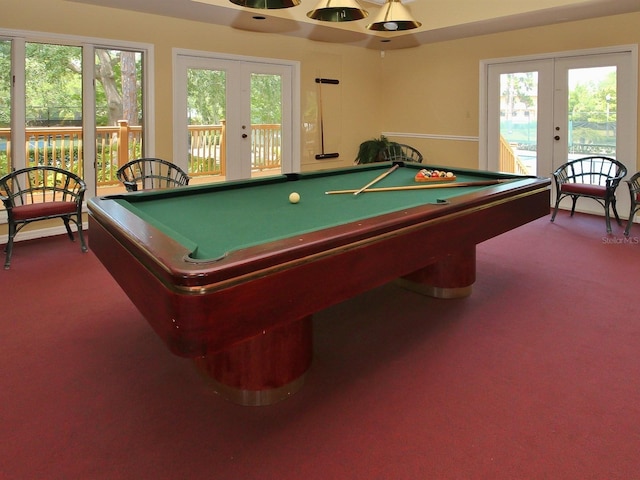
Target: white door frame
(627, 146)
(626, 106)
(184, 59)
(544, 152)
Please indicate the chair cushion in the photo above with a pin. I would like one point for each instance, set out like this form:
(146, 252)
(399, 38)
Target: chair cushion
(45, 209)
(584, 189)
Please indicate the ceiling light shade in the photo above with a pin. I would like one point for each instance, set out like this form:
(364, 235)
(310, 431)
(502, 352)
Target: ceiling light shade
(393, 17)
(266, 4)
(337, 11)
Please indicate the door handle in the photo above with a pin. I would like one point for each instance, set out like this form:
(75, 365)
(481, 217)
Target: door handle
(244, 135)
(557, 137)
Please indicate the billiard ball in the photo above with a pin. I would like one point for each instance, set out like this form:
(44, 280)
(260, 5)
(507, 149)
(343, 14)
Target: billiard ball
(294, 197)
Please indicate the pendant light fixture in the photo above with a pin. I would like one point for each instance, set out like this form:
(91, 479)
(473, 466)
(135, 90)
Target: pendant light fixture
(266, 4)
(393, 17)
(337, 11)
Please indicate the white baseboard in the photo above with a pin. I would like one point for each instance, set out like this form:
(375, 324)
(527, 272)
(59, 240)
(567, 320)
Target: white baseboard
(40, 233)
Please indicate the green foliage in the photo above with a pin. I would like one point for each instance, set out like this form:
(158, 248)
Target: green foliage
(61, 157)
(373, 150)
(592, 113)
(206, 99)
(594, 101)
(266, 98)
(4, 163)
(518, 88)
(5, 83)
(53, 82)
(207, 92)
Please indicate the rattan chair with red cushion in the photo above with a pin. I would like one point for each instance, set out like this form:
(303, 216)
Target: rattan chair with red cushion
(41, 193)
(634, 193)
(151, 173)
(594, 177)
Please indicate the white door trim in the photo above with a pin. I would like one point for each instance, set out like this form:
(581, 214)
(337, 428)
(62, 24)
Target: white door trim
(631, 146)
(291, 104)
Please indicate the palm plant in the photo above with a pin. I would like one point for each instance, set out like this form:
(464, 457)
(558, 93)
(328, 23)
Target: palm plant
(374, 150)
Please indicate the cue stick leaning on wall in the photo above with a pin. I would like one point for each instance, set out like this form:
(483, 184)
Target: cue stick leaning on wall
(420, 187)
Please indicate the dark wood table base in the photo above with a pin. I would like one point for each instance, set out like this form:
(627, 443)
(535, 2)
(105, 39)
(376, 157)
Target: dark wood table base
(452, 276)
(270, 367)
(264, 369)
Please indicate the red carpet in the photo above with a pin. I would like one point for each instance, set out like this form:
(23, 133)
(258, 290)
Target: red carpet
(536, 375)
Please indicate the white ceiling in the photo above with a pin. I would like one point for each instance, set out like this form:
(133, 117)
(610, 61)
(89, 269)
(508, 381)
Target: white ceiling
(441, 19)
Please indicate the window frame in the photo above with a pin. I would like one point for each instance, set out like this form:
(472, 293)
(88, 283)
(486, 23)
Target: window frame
(19, 39)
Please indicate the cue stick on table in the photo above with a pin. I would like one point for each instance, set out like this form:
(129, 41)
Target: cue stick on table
(375, 180)
(422, 187)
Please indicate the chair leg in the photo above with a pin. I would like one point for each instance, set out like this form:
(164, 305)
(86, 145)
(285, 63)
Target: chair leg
(607, 214)
(555, 209)
(83, 245)
(574, 199)
(9, 247)
(7, 258)
(78, 222)
(615, 211)
(608, 219)
(68, 227)
(632, 213)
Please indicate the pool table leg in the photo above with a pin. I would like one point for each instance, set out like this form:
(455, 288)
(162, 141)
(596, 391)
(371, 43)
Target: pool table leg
(264, 369)
(452, 276)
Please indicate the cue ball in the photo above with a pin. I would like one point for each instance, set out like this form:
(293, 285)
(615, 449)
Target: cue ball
(294, 197)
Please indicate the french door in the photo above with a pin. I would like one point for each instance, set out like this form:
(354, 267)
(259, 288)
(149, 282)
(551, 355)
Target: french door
(520, 116)
(234, 117)
(543, 112)
(74, 105)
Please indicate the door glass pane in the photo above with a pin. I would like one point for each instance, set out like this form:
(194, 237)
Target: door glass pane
(119, 115)
(592, 111)
(233, 114)
(266, 124)
(519, 122)
(206, 123)
(5, 107)
(54, 106)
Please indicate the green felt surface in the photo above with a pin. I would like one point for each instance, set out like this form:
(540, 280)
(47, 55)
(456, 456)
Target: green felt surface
(214, 220)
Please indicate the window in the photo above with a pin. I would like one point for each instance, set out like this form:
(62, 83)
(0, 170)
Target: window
(234, 116)
(75, 103)
(5, 106)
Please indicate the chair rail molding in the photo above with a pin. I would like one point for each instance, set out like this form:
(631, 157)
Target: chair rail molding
(432, 136)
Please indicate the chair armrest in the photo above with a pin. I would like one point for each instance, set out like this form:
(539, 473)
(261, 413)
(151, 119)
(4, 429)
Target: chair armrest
(613, 182)
(130, 186)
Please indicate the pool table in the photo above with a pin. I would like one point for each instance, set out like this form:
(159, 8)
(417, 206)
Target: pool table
(229, 274)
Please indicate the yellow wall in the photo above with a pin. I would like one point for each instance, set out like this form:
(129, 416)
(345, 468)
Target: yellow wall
(439, 90)
(432, 89)
(350, 107)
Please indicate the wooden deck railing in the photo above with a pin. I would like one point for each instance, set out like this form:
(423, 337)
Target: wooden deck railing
(207, 149)
(266, 146)
(509, 161)
(116, 145)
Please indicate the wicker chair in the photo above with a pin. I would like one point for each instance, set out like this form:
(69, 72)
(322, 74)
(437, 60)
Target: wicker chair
(402, 153)
(41, 193)
(594, 177)
(634, 193)
(149, 173)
